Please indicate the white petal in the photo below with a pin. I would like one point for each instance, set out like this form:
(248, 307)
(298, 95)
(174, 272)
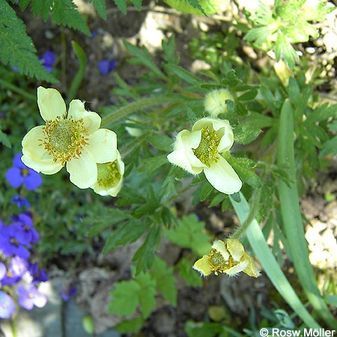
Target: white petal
(35, 155)
(220, 246)
(222, 177)
(51, 103)
(235, 248)
(92, 120)
(183, 155)
(103, 145)
(237, 269)
(83, 170)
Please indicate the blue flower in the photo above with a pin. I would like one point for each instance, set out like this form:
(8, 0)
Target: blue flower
(7, 306)
(26, 223)
(48, 60)
(17, 267)
(14, 241)
(28, 296)
(20, 174)
(3, 271)
(39, 275)
(106, 66)
(20, 201)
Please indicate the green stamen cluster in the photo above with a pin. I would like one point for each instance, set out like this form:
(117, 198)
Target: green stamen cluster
(64, 138)
(207, 151)
(218, 263)
(108, 174)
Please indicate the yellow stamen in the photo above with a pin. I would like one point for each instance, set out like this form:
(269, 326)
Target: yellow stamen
(65, 138)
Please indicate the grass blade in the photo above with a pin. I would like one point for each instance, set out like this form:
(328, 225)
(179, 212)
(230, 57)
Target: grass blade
(269, 263)
(292, 219)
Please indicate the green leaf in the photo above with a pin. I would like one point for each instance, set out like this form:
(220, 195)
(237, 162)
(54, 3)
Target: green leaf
(169, 49)
(144, 256)
(100, 7)
(153, 163)
(61, 12)
(79, 76)
(147, 292)
(131, 325)
(121, 5)
(4, 139)
(292, 218)
(187, 273)
(137, 3)
(142, 56)
(190, 233)
(161, 142)
(244, 167)
(165, 281)
(17, 49)
(182, 73)
(124, 298)
(125, 233)
(329, 147)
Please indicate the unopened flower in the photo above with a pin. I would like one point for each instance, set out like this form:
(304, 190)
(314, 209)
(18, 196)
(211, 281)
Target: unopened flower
(215, 101)
(7, 306)
(19, 174)
(20, 201)
(200, 150)
(227, 257)
(72, 139)
(109, 177)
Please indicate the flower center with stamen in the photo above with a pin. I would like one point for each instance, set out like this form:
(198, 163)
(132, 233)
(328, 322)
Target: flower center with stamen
(108, 174)
(207, 151)
(64, 138)
(218, 263)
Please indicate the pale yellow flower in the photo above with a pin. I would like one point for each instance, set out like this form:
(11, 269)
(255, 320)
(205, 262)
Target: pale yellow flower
(227, 257)
(200, 150)
(72, 139)
(110, 177)
(215, 101)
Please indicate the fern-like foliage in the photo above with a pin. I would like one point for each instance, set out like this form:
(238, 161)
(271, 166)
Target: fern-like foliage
(17, 49)
(288, 22)
(123, 4)
(61, 12)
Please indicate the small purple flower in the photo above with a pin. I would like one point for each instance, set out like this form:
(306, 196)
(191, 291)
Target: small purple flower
(20, 201)
(26, 223)
(13, 240)
(20, 174)
(106, 66)
(16, 269)
(29, 295)
(7, 306)
(48, 60)
(3, 271)
(39, 275)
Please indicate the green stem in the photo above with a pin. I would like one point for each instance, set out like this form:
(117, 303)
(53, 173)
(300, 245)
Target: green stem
(269, 263)
(13, 327)
(292, 219)
(19, 91)
(142, 103)
(77, 80)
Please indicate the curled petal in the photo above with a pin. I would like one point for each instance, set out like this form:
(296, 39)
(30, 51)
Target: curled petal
(51, 103)
(252, 269)
(238, 268)
(183, 155)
